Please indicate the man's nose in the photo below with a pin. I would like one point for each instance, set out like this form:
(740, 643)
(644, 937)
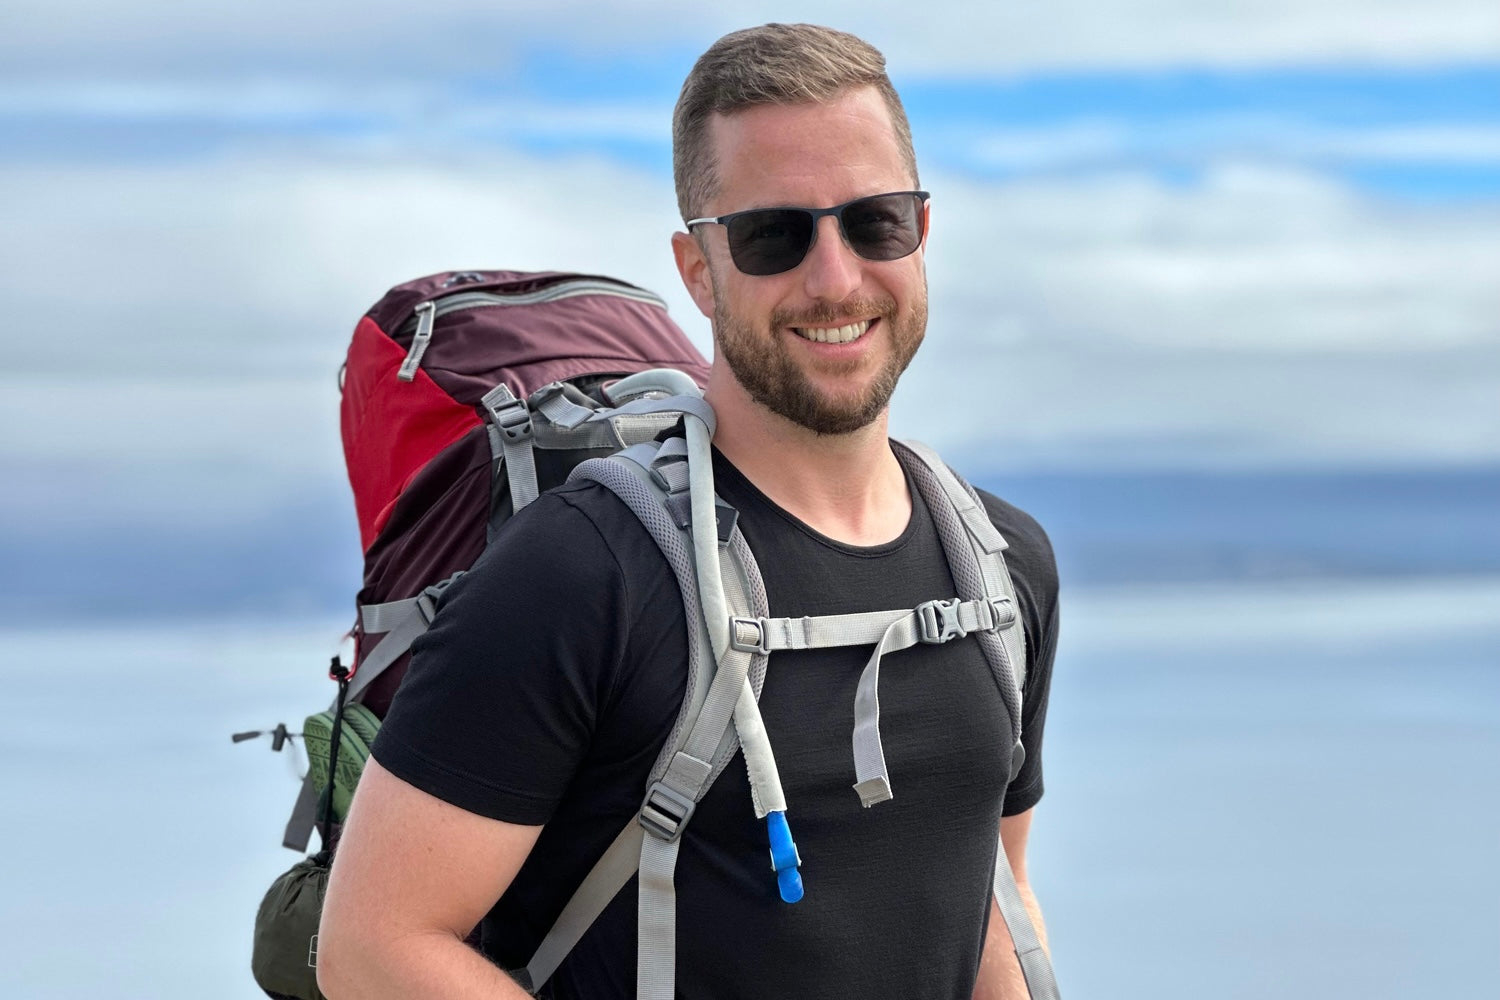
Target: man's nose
(831, 271)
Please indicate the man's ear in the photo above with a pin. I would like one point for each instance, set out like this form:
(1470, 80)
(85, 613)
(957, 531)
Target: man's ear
(692, 264)
(926, 222)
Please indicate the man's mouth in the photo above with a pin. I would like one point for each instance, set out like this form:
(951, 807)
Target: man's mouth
(833, 334)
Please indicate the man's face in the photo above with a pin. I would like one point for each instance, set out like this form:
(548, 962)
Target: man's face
(824, 343)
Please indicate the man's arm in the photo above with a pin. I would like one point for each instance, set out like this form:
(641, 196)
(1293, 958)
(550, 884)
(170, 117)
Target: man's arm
(411, 878)
(1000, 975)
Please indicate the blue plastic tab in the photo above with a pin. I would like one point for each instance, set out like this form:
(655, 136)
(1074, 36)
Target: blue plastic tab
(784, 857)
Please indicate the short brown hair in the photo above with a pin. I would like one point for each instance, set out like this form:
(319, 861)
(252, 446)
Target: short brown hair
(771, 64)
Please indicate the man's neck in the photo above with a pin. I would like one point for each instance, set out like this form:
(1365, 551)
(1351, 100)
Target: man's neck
(849, 487)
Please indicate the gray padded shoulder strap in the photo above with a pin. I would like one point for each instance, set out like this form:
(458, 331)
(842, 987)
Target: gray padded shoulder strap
(703, 740)
(974, 548)
(975, 551)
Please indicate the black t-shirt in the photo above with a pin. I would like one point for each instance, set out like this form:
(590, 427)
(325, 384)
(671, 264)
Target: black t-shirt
(555, 669)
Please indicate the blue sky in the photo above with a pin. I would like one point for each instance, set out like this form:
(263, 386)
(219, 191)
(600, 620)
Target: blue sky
(1167, 235)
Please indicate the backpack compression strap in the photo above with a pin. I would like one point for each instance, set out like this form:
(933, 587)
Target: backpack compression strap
(398, 623)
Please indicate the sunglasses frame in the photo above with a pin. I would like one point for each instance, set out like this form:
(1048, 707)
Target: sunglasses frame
(923, 197)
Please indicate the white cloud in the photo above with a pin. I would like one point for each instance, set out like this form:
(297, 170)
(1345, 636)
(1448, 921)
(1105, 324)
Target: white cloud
(1256, 260)
(177, 330)
(1102, 144)
(174, 333)
(263, 266)
(1262, 317)
(465, 36)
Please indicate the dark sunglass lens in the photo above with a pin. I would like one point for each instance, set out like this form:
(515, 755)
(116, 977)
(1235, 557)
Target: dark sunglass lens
(769, 241)
(885, 227)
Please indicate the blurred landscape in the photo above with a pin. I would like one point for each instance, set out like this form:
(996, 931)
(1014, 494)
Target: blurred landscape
(1108, 527)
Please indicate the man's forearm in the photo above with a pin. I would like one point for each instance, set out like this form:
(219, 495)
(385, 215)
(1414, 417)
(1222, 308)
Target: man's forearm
(1000, 976)
(412, 968)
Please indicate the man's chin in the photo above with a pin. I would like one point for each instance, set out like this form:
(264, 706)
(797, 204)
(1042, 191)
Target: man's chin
(826, 415)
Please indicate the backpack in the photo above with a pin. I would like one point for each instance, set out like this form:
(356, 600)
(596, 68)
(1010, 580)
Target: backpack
(465, 394)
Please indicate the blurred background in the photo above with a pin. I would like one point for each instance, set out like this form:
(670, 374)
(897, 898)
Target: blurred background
(1215, 293)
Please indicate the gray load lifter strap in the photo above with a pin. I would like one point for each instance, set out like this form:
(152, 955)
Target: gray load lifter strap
(511, 419)
(579, 422)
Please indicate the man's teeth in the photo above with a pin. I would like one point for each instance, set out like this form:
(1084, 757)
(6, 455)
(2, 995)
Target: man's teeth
(835, 335)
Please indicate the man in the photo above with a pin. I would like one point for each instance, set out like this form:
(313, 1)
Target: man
(526, 728)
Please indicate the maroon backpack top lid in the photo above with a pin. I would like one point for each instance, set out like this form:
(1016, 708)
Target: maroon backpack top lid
(423, 355)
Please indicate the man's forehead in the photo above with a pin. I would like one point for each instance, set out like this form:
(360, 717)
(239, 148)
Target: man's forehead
(768, 152)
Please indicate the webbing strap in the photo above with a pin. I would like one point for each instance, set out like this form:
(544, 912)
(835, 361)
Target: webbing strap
(871, 778)
(401, 621)
(656, 914)
(513, 419)
(378, 618)
(299, 826)
(603, 882)
(562, 411)
(890, 631)
(693, 406)
(396, 641)
(821, 631)
(1035, 965)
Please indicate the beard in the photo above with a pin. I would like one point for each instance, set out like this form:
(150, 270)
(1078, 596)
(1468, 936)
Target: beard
(764, 366)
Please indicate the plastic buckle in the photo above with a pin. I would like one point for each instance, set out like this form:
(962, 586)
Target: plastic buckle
(428, 598)
(939, 621)
(748, 635)
(665, 812)
(513, 418)
(1004, 611)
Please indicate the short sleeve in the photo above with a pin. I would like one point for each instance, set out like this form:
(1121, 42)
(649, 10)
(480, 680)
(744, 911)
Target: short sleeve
(505, 689)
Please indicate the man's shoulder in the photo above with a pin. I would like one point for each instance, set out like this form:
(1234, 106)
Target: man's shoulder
(574, 536)
(1017, 526)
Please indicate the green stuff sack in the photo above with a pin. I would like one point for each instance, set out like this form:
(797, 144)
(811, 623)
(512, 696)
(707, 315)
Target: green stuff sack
(356, 735)
(285, 958)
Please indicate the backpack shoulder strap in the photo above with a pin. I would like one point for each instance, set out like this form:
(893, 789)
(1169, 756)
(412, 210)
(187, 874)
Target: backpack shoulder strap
(975, 551)
(975, 555)
(668, 486)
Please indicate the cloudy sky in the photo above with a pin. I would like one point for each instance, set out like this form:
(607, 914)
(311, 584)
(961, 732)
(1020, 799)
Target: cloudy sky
(1167, 233)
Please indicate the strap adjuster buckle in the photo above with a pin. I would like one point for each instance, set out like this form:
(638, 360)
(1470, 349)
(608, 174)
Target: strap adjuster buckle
(510, 415)
(939, 621)
(428, 598)
(513, 418)
(748, 635)
(665, 812)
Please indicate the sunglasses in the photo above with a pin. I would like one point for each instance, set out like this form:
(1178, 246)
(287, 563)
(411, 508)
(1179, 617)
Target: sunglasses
(766, 241)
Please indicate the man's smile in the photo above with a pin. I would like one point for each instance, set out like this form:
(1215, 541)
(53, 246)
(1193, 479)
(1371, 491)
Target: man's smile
(833, 334)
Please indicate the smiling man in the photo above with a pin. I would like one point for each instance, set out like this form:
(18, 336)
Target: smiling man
(522, 737)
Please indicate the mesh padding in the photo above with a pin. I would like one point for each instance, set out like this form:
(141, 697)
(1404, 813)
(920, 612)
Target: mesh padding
(646, 504)
(964, 564)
